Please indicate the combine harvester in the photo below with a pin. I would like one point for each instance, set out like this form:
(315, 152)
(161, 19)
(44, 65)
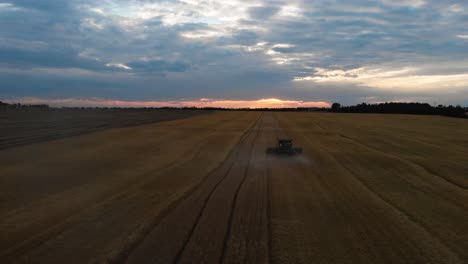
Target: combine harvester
(285, 146)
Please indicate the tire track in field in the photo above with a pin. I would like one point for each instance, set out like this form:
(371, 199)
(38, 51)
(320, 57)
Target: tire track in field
(234, 203)
(206, 201)
(80, 151)
(403, 212)
(417, 164)
(190, 251)
(269, 217)
(248, 238)
(170, 238)
(394, 206)
(401, 135)
(60, 227)
(57, 228)
(126, 251)
(367, 212)
(174, 137)
(51, 232)
(122, 254)
(410, 164)
(428, 192)
(423, 139)
(58, 124)
(459, 204)
(179, 254)
(416, 219)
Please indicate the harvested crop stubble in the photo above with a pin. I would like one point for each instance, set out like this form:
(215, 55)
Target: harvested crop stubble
(29, 125)
(366, 189)
(90, 194)
(366, 195)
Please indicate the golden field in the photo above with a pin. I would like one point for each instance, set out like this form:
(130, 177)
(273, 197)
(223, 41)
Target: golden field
(366, 189)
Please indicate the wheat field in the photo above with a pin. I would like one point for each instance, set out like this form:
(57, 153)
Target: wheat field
(366, 189)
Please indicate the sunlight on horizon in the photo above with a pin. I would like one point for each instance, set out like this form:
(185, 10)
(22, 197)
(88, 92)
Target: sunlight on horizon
(202, 102)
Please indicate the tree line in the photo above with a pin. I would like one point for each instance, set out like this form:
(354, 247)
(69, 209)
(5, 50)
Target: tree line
(402, 108)
(18, 105)
(382, 108)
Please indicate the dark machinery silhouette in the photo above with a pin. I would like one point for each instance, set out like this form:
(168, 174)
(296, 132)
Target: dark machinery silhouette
(284, 146)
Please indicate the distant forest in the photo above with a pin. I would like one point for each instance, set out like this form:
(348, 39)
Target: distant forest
(382, 108)
(17, 105)
(403, 108)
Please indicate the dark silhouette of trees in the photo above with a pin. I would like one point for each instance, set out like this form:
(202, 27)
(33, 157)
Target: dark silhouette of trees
(17, 105)
(336, 107)
(383, 108)
(3, 105)
(404, 108)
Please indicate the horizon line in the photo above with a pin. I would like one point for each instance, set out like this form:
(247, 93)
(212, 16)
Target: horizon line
(265, 103)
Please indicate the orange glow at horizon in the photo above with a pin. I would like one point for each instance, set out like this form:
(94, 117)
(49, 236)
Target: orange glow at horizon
(203, 102)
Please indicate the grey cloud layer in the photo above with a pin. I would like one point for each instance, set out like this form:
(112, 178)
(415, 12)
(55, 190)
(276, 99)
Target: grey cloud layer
(349, 51)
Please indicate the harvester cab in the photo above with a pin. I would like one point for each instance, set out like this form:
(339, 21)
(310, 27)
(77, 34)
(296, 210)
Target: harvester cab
(284, 146)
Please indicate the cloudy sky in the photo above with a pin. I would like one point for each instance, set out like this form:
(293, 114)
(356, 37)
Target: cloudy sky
(233, 52)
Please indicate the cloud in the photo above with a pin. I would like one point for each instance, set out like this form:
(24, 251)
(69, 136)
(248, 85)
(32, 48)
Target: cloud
(411, 3)
(91, 23)
(8, 7)
(263, 12)
(205, 34)
(309, 50)
(151, 66)
(400, 79)
(283, 48)
(119, 65)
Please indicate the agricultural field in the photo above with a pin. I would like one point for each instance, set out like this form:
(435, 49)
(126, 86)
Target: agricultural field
(367, 188)
(30, 125)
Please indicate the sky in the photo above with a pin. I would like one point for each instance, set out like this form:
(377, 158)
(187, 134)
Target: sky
(233, 53)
